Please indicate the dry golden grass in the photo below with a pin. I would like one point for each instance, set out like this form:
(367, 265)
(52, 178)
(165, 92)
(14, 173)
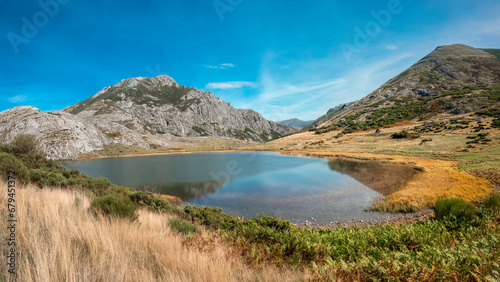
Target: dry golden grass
(59, 240)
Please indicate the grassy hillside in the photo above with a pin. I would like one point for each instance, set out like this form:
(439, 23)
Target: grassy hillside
(58, 239)
(392, 110)
(454, 79)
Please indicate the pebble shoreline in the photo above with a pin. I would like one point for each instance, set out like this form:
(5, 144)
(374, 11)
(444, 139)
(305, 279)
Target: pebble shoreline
(398, 218)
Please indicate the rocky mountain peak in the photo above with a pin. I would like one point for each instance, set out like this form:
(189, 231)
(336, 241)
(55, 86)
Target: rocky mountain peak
(160, 106)
(158, 81)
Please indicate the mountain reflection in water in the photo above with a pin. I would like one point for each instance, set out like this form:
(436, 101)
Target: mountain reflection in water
(384, 178)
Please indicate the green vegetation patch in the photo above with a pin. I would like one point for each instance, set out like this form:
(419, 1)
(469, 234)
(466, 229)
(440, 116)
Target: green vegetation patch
(183, 226)
(9, 163)
(378, 118)
(113, 134)
(200, 130)
(405, 134)
(494, 52)
(115, 204)
(495, 123)
(455, 209)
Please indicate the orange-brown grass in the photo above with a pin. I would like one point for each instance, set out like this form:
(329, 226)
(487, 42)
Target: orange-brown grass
(437, 179)
(171, 199)
(58, 239)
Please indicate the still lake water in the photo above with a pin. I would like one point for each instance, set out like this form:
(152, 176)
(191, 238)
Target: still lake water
(244, 183)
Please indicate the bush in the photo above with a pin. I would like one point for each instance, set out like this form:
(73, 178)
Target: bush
(454, 209)
(212, 217)
(183, 226)
(115, 205)
(8, 163)
(152, 202)
(43, 177)
(25, 144)
(399, 135)
(492, 202)
(95, 184)
(274, 223)
(495, 123)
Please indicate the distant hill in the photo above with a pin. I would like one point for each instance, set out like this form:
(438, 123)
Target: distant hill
(294, 122)
(452, 80)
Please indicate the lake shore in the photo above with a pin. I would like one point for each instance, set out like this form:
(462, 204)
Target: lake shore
(147, 154)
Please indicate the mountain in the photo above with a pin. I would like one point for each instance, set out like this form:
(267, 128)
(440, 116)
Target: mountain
(159, 106)
(137, 112)
(452, 80)
(294, 122)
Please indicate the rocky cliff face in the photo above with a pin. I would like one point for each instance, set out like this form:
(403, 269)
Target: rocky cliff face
(160, 106)
(61, 135)
(453, 79)
(140, 112)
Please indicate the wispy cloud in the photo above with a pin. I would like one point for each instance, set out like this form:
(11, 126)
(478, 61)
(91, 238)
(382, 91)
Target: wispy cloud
(280, 97)
(289, 89)
(221, 66)
(391, 47)
(230, 84)
(17, 99)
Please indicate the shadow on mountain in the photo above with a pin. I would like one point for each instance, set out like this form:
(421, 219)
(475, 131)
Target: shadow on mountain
(184, 190)
(384, 178)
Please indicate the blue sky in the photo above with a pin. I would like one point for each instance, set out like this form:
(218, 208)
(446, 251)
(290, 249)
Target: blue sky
(282, 58)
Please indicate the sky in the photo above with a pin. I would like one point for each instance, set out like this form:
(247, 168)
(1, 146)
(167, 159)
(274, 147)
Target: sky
(282, 58)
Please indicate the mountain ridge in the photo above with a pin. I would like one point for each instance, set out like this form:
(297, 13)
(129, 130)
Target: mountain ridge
(295, 122)
(464, 73)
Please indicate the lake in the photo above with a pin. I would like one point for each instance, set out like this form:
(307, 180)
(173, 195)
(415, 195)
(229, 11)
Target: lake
(247, 183)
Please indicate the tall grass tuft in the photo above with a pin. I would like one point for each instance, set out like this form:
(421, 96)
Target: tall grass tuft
(455, 209)
(492, 202)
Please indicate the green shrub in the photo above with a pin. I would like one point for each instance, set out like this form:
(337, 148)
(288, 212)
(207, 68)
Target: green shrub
(115, 205)
(6, 149)
(212, 217)
(152, 202)
(183, 226)
(495, 123)
(454, 209)
(399, 135)
(492, 202)
(25, 144)
(8, 163)
(274, 223)
(47, 176)
(95, 184)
